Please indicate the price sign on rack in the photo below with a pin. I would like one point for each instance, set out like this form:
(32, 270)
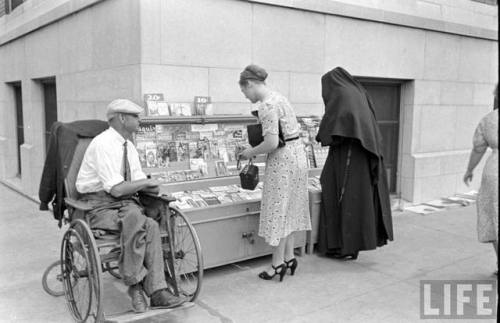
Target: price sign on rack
(155, 104)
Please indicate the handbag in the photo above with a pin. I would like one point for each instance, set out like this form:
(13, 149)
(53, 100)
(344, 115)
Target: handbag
(249, 176)
(255, 137)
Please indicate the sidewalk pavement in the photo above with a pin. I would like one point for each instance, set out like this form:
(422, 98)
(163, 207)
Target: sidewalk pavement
(381, 286)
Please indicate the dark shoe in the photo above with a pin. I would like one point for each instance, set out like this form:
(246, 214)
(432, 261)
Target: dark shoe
(278, 270)
(164, 299)
(350, 256)
(139, 303)
(292, 264)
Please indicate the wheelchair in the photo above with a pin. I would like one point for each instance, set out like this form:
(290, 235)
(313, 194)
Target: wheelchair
(86, 254)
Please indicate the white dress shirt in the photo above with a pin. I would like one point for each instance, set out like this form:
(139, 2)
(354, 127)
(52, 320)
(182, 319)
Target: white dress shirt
(102, 165)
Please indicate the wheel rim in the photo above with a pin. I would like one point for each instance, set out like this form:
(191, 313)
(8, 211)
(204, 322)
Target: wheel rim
(188, 262)
(78, 290)
(81, 272)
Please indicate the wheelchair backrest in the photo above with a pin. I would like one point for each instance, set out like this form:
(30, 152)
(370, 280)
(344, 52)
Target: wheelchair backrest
(76, 162)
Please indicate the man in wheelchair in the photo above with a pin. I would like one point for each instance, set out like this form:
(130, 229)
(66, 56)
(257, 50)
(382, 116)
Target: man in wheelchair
(110, 178)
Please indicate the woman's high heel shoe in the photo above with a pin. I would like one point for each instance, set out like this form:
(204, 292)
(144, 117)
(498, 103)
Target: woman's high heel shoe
(292, 264)
(278, 270)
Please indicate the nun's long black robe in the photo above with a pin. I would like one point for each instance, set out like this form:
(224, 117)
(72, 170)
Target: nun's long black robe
(361, 219)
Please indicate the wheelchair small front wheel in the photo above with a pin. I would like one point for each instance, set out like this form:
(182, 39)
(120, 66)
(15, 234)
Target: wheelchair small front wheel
(52, 281)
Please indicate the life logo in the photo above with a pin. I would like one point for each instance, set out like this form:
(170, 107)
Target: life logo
(458, 299)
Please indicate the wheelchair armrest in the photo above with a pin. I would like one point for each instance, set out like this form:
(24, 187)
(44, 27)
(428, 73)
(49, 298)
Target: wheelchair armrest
(76, 204)
(164, 197)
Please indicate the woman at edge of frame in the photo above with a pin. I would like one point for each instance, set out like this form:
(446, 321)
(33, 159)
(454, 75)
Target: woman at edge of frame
(355, 210)
(486, 136)
(285, 199)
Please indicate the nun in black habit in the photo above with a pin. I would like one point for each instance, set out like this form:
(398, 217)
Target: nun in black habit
(355, 210)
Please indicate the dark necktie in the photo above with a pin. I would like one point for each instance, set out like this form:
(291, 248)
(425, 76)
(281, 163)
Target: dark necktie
(126, 165)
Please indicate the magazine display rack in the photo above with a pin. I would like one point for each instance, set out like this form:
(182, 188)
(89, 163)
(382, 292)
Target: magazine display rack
(195, 158)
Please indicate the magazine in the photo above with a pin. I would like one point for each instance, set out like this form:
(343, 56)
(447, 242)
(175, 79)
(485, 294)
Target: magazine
(172, 151)
(193, 174)
(221, 168)
(204, 149)
(146, 132)
(214, 150)
(157, 108)
(199, 164)
(200, 104)
(176, 176)
(151, 152)
(224, 198)
(194, 151)
(163, 132)
(210, 198)
(141, 150)
(180, 109)
(200, 202)
(182, 151)
(162, 154)
(222, 150)
(235, 197)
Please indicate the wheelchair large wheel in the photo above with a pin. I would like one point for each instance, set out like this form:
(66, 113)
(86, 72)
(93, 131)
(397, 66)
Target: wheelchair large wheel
(81, 273)
(187, 257)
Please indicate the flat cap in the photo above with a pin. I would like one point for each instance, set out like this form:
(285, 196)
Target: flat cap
(122, 106)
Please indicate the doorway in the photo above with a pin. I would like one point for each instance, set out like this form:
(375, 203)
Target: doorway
(386, 95)
(50, 106)
(18, 102)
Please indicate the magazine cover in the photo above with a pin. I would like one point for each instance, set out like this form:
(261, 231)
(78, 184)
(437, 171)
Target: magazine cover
(157, 108)
(172, 151)
(164, 132)
(222, 150)
(163, 108)
(193, 174)
(200, 202)
(193, 136)
(162, 154)
(151, 155)
(182, 151)
(141, 150)
(224, 198)
(214, 149)
(204, 148)
(209, 109)
(181, 135)
(200, 104)
(206, 135)
(235, 197)
(194, 150)
(180, 109)
(221, 168)
(146, 132)
(199, 164)
(176, 176)
(231, 150)
(151, 108)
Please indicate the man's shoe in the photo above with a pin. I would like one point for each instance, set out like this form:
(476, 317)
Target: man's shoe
(139, 303)
(164, 299)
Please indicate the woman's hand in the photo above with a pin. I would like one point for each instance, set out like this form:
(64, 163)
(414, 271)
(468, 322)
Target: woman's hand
(246, 154)
(468, 177)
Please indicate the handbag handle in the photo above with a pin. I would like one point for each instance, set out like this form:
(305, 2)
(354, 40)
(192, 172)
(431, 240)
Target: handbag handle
(238, 163)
